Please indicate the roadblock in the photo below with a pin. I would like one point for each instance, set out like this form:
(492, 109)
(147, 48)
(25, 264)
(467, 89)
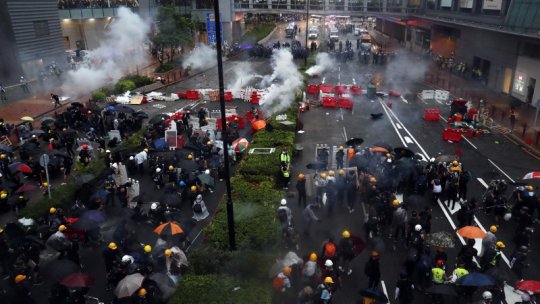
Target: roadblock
(327, 88)
(356, 90)
(337, 102)
(340, 89)
(432, 114)
(192, 94)
(239, 119)
(313, 89)
(255, 98)
(452, 134)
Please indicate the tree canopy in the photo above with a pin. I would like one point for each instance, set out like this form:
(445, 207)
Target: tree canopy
(173, 28)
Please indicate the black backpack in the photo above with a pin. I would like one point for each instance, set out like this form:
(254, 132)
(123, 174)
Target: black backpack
(197, 208)
(282, 215)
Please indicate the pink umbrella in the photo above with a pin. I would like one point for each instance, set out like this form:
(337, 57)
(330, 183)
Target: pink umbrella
(26, 188)
(532, 175)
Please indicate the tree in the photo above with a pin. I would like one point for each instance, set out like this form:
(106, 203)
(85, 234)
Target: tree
(174, 30)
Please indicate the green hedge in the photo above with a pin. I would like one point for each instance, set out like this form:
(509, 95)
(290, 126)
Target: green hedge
(259, 31)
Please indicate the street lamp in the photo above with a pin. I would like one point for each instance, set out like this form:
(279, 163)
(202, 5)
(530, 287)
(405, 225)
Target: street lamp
(230, 210)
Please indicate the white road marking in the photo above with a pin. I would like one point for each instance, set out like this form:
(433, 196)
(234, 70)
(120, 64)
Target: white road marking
(345, 133)
(408, 140)
(384, 290)
(354, 81)
(323, 80)
(404, 100)
(341, 113)
(498, 168)
(393, 125)
(398, 126)
(470, 143)
(481, 181)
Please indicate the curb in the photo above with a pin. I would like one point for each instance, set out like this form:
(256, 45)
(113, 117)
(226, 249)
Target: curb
(264, 40)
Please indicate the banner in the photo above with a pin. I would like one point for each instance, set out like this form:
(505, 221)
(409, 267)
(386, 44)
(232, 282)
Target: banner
(465, 3)
(446, 3)
(492, 5)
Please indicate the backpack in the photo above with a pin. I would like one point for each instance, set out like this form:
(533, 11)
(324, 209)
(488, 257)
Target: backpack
(329, 250)
(277, 283)
(197, 208)
(282, 215)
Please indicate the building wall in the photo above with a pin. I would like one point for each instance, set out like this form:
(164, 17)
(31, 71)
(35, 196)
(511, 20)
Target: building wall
(10, 69)
(89, 31)
(528, 68)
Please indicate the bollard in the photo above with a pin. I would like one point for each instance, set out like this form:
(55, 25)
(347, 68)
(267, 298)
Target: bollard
(524, 130)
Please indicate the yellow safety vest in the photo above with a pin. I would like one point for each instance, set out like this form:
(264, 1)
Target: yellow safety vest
(493, 261)
(438, 275)
(286, 173)
(285, 157)
(461, 272)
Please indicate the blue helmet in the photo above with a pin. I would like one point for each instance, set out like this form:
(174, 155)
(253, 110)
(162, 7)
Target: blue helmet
(181, 184)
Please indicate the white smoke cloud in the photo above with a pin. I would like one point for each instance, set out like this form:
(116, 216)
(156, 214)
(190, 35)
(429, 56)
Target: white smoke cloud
(283, 83)
(404, 69)
(242, 75)
(201, 57)
(121, 49)
(323, 62)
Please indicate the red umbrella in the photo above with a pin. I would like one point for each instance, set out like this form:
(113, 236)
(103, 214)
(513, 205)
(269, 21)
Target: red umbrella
(24, 168)
(529, 285)
(26, 188)
(77, 279)
(532, 175)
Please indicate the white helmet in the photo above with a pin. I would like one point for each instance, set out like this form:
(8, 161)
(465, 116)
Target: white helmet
(158, 170)
(107, 151)
(153, 206)
(207, 171)
(507, 216)
(432, 159)
(127, 259)
(328, 263)
(418, 227)
(131, 158)
(283, 202)
(486, 295)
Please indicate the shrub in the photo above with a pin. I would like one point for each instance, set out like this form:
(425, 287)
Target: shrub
(140, 81)
(259, 31)
(165, 67)
(124, 85)
(61, 196)
(98, 95)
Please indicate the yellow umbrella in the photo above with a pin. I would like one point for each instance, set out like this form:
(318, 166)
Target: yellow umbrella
(27, 118)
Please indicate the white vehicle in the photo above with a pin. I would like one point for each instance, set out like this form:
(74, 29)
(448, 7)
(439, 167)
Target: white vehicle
(313, 33)
(334, 34)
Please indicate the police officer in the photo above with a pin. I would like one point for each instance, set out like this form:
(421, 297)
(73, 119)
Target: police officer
(284, 157)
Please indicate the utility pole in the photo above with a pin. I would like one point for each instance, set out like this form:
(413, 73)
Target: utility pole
(307, 29)
(230, 209)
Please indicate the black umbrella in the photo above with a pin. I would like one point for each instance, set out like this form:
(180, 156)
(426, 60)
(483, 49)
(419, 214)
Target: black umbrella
(354, 141)
(403, 152)
(442, 289)
(374, 293)
(141, 114)
(60, 269)
(171, 199)
(85, 224)
(315, 166)
(47, 121)
(77, 104)
(445, 158)
(139, 198)
(59, 153)
(160, 118)
(375, 116)
(124, 109)
(29, 146)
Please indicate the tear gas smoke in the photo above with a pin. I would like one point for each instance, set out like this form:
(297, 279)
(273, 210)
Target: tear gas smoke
(121, 49)
(283, 83)
(403, 70)
(323, 63)
(242, 75)
(201, 57)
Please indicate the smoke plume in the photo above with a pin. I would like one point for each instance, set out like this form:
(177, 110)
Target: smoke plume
(242, 75)
(121, 49)
(284, 82)
(403, 70)
(323, 63)
(201, 57)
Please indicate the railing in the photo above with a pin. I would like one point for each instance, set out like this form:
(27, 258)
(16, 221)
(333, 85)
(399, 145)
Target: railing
(93, 4)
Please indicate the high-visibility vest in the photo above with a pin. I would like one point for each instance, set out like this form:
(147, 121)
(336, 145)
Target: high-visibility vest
(286, 173)
(461, 272)
(438, 275)
(284, 157)
(493, 261)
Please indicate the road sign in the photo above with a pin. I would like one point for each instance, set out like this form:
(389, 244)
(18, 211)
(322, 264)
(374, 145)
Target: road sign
(211, 28)
(44, 160)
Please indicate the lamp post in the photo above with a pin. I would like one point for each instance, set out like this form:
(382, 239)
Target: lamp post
(307, 29)
(230, 210)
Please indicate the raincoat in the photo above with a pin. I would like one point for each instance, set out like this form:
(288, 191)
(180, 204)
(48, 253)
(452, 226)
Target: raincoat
(203, 213)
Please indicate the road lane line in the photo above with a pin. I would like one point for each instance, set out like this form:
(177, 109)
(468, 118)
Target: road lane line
(470, 143)
(384, 290)
(404, 100)
(481, 181)
(408, 140)
(498, 168)
(398, 126)
(345, 133)
(394, 125)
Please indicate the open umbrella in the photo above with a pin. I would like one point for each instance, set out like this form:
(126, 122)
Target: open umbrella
(124, 109)
(476, 279)
(78, 279)
(47, 120)
(59, 153)
(57, 242)
(141, 114)
(171, 199)
(159, 118)
(169, 228)
(258, 125)
(164, 283)
(5, 148)
(26, 188)
(445, 158)
(532, 175)
(240, 145)
(37, 132)
(379, 149)
(290, 259)
(374, 293)
(128, 285)
(471, 232)
(529, 285)
(24, 168)
(442, 289)
(59, 269)
(206, 179)
(27, 118)
(85, 224)
(354, 141)
(89, 147)
(442, 239)
(382, 144)
(403, 152)
(94, 215)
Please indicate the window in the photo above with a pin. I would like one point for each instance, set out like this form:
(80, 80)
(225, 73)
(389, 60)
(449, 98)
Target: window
(41, 28)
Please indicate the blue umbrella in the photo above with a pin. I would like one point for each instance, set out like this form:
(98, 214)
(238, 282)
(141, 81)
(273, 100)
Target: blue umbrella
(14, 165)
(476, 279)
(110, 108)
(94, 215)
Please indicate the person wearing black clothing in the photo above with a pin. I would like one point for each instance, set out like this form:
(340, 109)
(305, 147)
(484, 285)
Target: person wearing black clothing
(404, 290)
(56, 100)
(301, 188)
(467, 253)
(373, 270)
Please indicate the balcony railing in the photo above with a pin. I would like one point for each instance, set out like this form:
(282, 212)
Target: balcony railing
(91, 4)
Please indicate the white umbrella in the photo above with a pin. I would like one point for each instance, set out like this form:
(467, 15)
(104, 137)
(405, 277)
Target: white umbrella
(128, 285)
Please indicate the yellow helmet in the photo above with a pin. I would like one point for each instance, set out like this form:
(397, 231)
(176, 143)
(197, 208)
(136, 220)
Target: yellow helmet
(19, 278)
(493, 228)
(372, 180)
(190, 156)
(331, 173)
(193, 188)
(3, 195)
(500, 244)
(209, 142)
(112, 246)
(145, 150)
(287, 270)
(395, 203)
(323, 175)
(328, 280)
(374, 253)
(341, 147)
(168, 252)
(346, 234)
(62, 228)
(2, 156)
(142, 292)
(301, 176)
(313, 257)
(341, 171)
(52, 210)
(388, 155)
(455, 163)
(147, 248)
(530, 188)
(171, 167)
(45, 184)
